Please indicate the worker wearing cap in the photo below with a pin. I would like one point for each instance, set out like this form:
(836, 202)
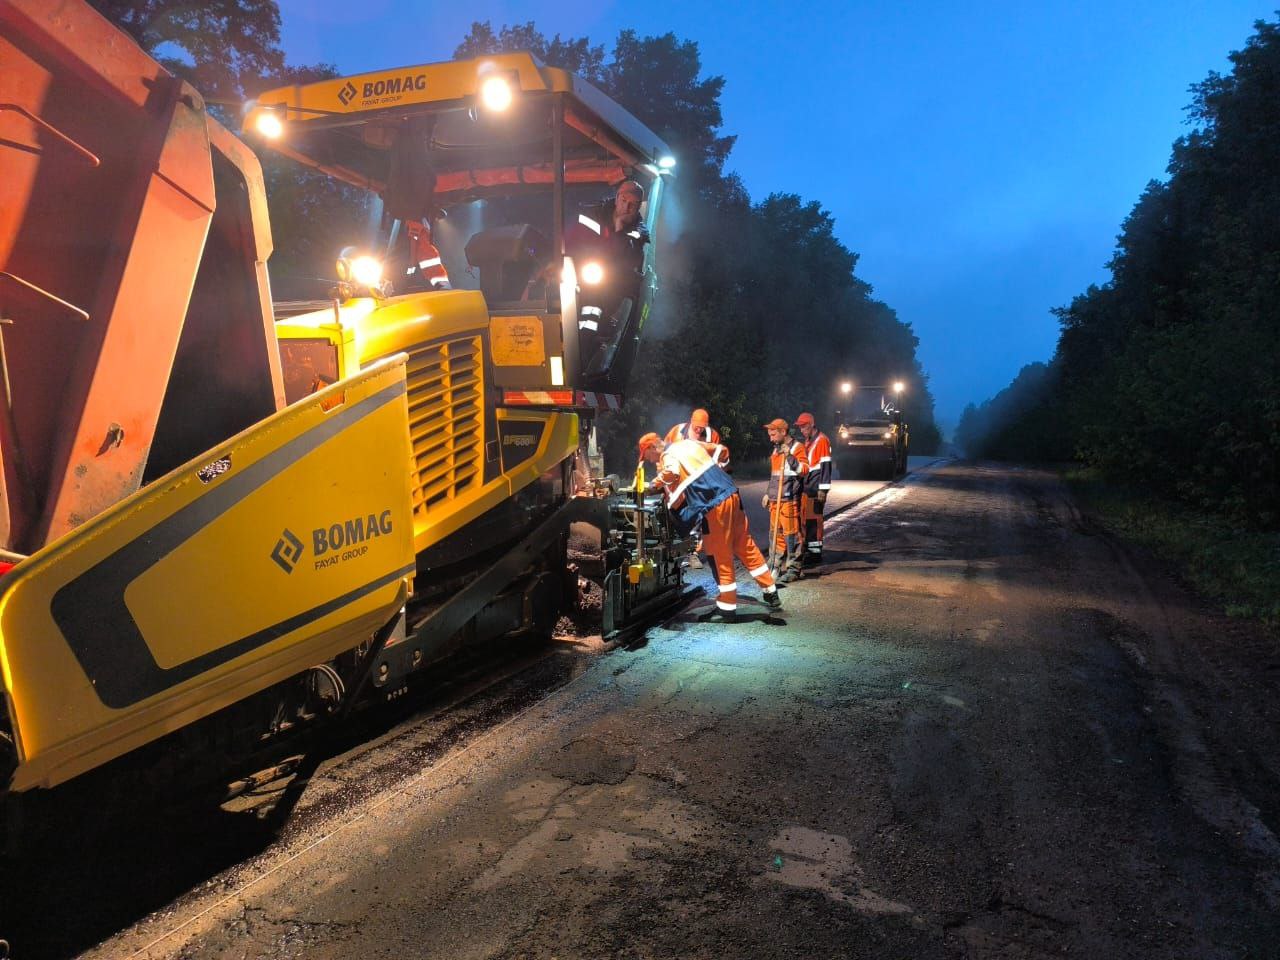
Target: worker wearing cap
(817, 483)
(787, 467)
(702, 496)
(697, 427)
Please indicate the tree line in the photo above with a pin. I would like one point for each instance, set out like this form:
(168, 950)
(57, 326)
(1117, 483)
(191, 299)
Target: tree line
(1168, 375)
(761, 312)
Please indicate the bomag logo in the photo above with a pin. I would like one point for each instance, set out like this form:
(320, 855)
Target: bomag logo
(348, 539)
(347, 93)
(287, 551)
(394, 86)
(333, 544)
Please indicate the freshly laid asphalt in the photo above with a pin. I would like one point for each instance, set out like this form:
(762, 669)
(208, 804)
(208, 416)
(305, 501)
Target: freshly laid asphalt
(980, 729)
(844, 493)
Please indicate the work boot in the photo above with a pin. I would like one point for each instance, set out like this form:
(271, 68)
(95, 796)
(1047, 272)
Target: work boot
(789, 576)
(772, 600)
(695, 562)
(719, 616)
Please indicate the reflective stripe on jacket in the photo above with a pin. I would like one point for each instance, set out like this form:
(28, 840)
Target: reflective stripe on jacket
(787, 464)
(817, 454)
(694, 480)
(424, 257)
(682, 431)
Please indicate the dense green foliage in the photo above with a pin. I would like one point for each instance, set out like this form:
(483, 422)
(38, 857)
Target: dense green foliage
(1169, 375)
(761, 312)
(216, 44)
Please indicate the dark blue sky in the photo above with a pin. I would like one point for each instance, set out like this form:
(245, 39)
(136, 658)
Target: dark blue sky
(979, 157)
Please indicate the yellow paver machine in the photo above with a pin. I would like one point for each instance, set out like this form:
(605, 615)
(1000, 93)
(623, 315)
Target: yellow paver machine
(223, 520)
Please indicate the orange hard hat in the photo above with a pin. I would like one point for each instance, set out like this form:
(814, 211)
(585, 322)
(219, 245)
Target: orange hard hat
(804, 420)
(699, 418)
(648, 441)
(776, 424)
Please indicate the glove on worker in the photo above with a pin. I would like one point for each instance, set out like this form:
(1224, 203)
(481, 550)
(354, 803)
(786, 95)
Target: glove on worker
(820, 501)
(764, 501)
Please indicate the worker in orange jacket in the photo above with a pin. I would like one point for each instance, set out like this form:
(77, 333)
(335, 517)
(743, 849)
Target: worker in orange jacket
(817, 483)
(787, 467)
(702, 496)
(697, 427)
(425, 264)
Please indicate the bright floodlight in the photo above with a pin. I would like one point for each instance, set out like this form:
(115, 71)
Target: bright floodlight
(495, 93)
(366, 271)
(592, 273)
(897, 386)
(846, 387)
(269, 125)
(667, 162)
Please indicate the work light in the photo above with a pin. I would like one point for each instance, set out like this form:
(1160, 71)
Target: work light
(366, 271)
(495, 93)
(269, 125)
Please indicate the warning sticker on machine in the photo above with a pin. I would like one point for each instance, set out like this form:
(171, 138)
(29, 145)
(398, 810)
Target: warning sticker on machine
(517, 341)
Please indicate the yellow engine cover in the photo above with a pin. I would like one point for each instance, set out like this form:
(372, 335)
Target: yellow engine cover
(462, 463)
(272, 553)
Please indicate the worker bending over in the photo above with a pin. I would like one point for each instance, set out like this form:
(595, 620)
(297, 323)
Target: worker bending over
(787, 467)
(697, 427)
(817, 483)
(701, 495)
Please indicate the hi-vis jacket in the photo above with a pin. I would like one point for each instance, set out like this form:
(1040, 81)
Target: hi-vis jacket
(694, 481)
(682, 431)
(424, 257)
(817, 454)
(788, 464)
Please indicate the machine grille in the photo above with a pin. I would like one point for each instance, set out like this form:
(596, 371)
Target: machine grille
(446, 382)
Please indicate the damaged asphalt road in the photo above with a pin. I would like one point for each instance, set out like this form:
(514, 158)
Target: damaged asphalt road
(981, 731)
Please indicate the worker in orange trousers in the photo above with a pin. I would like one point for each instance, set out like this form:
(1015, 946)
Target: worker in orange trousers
(787, 467)
(702, 496)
